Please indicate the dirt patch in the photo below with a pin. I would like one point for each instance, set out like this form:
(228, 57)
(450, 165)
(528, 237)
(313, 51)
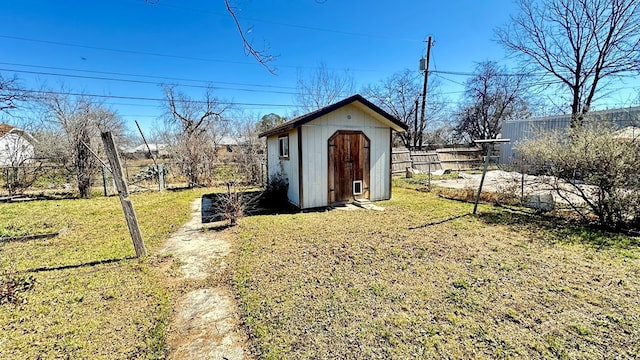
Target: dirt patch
(517, 184)
(205, 324)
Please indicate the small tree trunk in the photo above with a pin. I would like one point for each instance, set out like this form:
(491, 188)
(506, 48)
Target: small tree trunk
(83, 165)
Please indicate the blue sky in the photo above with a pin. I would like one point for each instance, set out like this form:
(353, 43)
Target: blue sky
(194, 42)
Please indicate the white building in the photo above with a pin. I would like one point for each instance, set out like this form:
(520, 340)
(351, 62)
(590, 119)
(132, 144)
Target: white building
(16, 146)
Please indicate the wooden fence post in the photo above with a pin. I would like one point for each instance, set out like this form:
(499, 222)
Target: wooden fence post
(104, 180)
(161, 183)
(123, 194)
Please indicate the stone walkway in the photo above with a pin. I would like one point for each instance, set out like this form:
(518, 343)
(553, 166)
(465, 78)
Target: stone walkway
(205, 324)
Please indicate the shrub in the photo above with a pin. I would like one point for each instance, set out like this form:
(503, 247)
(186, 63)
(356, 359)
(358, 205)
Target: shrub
(235, 203)
(19, 178)
(275, 192)
(591, 170)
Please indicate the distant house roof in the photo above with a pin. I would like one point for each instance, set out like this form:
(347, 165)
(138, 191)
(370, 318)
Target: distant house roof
(301, 120)
(231, 141)
(7, 129)
(152, 147)
(143, 148)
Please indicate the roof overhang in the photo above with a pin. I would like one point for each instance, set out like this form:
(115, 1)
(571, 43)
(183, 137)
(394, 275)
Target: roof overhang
(25, 135)
(357, 100)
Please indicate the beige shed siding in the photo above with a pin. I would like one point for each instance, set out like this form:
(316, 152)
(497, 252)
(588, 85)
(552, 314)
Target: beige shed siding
(289, 167)
(315, 135)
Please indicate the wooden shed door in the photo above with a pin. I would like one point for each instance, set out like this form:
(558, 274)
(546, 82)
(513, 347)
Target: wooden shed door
(348, 166)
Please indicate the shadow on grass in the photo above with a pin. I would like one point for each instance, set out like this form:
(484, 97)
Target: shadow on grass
(180, 188)
(440, 221)
(25, 238)
(58, 195)
(559, 230)
(77, 266)
(254, 205)
(217, 227)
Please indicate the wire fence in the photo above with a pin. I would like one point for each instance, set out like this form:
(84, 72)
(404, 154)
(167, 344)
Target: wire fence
(58, 180)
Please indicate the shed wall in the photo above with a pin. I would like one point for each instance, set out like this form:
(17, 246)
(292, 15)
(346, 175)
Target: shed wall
(288, 167)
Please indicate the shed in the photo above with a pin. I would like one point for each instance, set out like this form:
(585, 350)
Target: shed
(338, 154)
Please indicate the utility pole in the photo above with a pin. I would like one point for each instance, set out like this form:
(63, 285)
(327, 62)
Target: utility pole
(424, 92)
(415, 128)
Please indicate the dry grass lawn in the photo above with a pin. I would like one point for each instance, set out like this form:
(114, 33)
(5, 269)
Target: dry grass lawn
(90, 299)
(405, 284)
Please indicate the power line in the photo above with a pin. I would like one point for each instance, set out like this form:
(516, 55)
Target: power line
(150, 82)
(146, 53)
(147, 76)
(143, 81)
(248, 104)
(221, 102)
(534, 83)
(527, 74)
(435, 72)
(295, 26)
(446, 72)
(447, 79)
(135, 52)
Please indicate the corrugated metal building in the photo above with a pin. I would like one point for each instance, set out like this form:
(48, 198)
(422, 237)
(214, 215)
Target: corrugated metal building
(518, 130)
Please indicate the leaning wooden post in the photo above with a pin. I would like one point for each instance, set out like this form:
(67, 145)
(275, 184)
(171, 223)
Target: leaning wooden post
(488, 144)
(123, 194)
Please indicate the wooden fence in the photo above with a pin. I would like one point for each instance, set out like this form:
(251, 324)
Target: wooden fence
(455, 159)
(400, 160)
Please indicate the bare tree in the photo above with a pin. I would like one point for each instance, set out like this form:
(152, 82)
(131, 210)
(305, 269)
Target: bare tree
(581, 43)
(323, 87)
(81, 119)
(262, 56)
(249, 153)
(492, 96)
(442, 134)
(196, 126)
(10, 93)
(399, 95)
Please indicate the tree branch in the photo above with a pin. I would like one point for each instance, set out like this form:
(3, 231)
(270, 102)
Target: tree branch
(261, 56)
